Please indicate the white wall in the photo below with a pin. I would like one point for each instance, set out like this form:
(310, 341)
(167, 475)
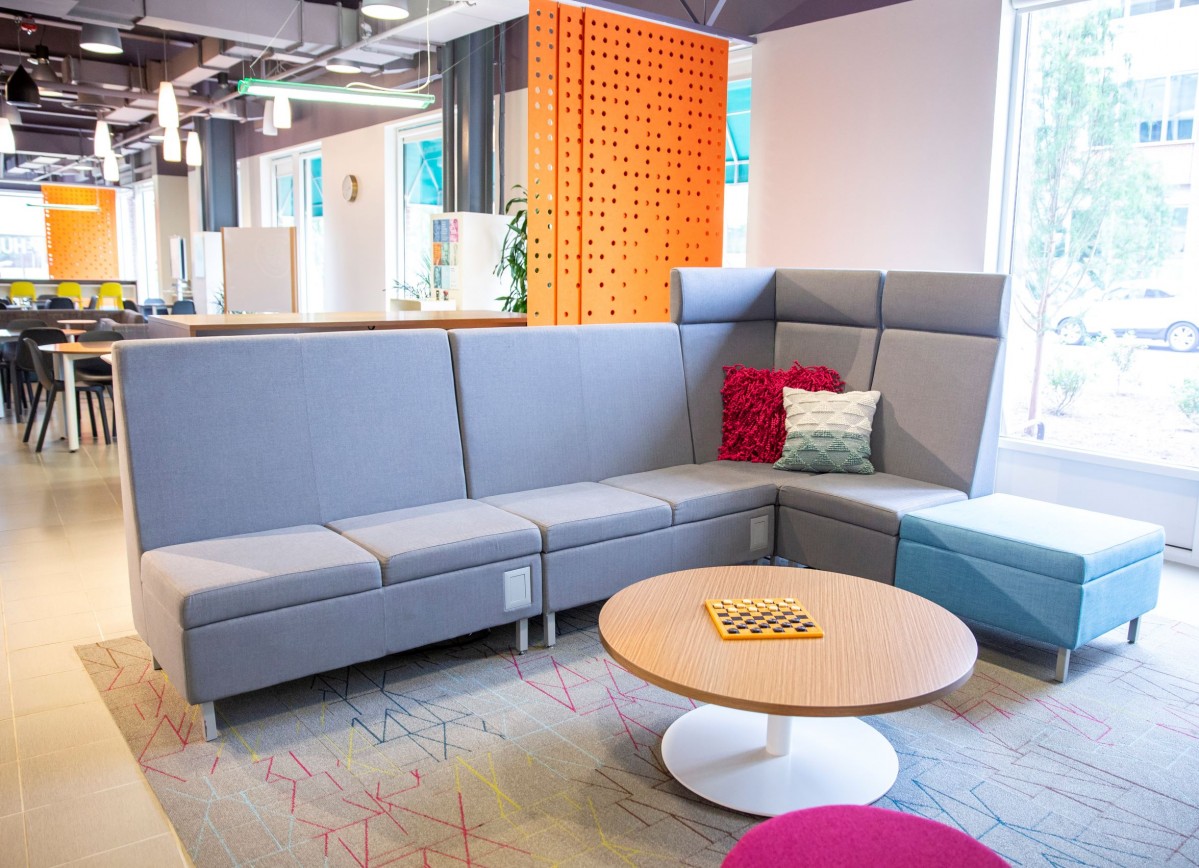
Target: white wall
(357, 239)
(173, 208)
(877, 138)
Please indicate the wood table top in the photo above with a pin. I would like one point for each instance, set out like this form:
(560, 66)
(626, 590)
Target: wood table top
(884, 649)
(84, 322)
(93, 348)
(194, 324)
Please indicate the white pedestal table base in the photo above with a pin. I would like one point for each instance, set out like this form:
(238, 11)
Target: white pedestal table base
(728, 757)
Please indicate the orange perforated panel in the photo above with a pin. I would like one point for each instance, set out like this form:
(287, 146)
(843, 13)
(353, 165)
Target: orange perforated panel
(653, 121)
(81, 244)
(571, 153)
(637, 168)
(543, 139)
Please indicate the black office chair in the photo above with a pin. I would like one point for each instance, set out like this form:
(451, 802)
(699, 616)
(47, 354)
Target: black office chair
(23, 378)
(3, 304)
(152, 306)
(8, 362)
(59, 303)
(40, 365)
(130, 304)
(185, 305)
(93, 302)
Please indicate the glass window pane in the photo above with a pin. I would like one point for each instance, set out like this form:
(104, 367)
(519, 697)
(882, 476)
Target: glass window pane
(1141, 7)
(1150, 104)
(1182, 107)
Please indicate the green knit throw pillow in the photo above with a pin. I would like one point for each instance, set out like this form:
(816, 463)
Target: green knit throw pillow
(826, 452)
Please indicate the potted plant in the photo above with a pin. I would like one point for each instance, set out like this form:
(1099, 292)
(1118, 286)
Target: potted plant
(514, 254)
(420, 295)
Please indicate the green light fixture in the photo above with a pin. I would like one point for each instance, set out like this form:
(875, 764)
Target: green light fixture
(351, 95)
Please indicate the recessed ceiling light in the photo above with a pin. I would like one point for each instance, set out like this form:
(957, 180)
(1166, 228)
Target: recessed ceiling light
(342, 66)
(392, 10)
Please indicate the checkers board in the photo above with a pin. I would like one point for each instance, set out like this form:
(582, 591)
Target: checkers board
(762, 618)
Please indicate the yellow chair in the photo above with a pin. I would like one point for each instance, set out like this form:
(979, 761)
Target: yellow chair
(111, 292)
(22, 289)
(71, 289)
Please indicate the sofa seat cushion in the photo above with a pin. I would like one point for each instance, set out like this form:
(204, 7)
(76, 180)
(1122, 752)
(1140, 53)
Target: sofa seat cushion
(440, 538)
(230, 577)
(697, 492)
(583, 513)
(763, 472)
(876, 502)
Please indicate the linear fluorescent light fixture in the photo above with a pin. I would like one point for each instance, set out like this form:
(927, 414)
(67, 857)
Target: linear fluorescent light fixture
(339, 95)
(57, 206)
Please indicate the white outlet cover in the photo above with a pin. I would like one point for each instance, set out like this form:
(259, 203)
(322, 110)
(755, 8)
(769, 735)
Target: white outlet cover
(518, 589)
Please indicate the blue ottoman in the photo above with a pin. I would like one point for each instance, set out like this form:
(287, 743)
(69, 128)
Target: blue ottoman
(1053, 573)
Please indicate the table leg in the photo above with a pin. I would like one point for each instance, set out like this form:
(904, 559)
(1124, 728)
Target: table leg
(68, 401)
(768, 765)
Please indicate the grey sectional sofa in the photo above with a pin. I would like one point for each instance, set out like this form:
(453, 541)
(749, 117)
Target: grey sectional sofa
(298, 503)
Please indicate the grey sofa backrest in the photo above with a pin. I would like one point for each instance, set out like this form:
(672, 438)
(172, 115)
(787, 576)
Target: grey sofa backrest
(831, 318)
(940, 371)
(726, 316)
(550, 406)
(224, 436)
(382, 413)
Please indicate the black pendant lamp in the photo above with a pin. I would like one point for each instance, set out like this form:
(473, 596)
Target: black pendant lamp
(22, 89)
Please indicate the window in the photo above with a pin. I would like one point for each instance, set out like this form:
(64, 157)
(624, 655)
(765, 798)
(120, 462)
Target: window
(420, 155)
(22, 238)
(1104, 337)
(1151, 98)
(297, 198)
(1143, 7)
(736, 172)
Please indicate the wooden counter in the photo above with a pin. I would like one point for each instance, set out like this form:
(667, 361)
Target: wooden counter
(213, 325)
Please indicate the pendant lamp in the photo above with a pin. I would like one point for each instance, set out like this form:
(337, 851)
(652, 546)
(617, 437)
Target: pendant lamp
(103, 140)
(22, 89)
(100, 39)
(392, 10)
(43, 73)
(9, 112)
(172, 149)
(282, 113)
(268, 118)
(168, 107)
(195, 157)
(8, 144)
(112, 172)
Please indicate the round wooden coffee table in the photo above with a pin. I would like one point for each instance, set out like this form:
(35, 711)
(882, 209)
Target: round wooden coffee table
(884, 649)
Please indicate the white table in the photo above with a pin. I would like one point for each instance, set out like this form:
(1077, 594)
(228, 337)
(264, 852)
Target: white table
(65, 357)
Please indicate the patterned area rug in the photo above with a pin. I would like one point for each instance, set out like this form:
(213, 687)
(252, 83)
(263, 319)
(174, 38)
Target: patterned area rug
(471, 755)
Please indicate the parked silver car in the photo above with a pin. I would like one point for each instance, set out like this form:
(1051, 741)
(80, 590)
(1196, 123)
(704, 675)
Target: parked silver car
(1144, 311)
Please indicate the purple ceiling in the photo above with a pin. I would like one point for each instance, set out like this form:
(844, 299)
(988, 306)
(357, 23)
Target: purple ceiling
(750, 17)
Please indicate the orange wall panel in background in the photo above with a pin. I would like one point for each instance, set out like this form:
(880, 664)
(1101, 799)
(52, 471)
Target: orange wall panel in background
(626, 159)
(81, 245)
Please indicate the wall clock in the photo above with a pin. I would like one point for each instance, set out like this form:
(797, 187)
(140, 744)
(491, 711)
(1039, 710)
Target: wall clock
(349, 188)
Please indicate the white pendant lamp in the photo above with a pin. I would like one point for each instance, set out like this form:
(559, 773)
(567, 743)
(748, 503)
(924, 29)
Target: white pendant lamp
(168, 108)
(100, 39)
(392, 10)
(282, 113)
(195, 157)
(112, 172)
(172, 149)
(268, 118)
(8, 144)
(103, 140)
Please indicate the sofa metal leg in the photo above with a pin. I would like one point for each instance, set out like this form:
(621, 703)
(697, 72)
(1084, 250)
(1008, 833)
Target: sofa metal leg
(154, 662)
(208, 718)
(551, 629)
(1063, 664)
(1134, 627)
(522, 635)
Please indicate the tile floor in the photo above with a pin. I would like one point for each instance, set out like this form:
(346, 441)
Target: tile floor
(70, 791)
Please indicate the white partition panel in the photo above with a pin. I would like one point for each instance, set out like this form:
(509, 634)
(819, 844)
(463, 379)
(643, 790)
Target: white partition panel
(260, 269)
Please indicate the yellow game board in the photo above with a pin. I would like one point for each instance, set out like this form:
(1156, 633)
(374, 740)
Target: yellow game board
(762, 618)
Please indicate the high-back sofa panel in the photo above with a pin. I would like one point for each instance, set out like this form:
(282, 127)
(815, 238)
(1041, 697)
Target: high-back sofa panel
(939, 372)
(382, 412)
(726, 316)
(830, 318)
(548, 407)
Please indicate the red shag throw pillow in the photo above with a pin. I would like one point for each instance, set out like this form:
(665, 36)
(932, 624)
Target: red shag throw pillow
(754, 426)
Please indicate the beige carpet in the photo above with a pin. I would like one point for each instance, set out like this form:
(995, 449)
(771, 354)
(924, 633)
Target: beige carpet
(472, 755)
